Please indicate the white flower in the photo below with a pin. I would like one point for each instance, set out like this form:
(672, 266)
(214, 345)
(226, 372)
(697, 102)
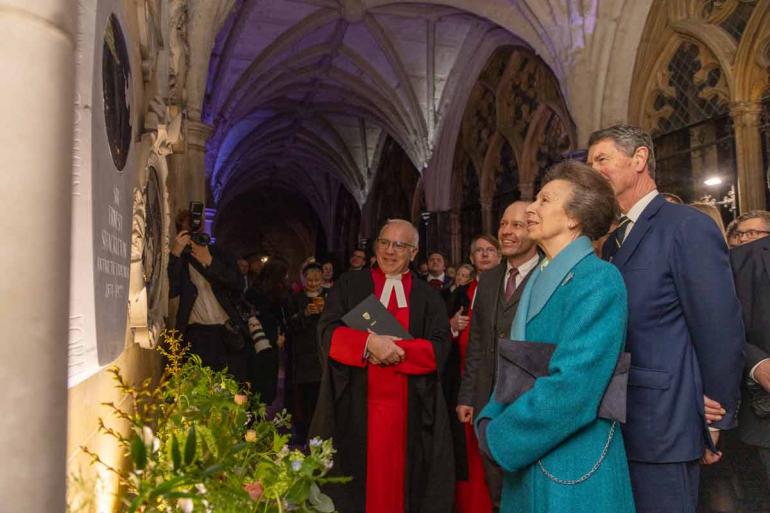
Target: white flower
(185, 504)
(315, 442)
(296, 465)
(150, 440)
(201, 488)
(147, 435)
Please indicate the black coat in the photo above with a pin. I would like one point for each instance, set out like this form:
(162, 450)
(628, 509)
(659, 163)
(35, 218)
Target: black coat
(480, 358)
(302, 340)
(751, 270)
(222, 274)
(342, 405)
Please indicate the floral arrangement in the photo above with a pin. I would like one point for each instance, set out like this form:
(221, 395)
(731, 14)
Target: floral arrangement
(198, 443)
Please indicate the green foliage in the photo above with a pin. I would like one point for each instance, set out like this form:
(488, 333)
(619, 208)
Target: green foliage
(197, 443)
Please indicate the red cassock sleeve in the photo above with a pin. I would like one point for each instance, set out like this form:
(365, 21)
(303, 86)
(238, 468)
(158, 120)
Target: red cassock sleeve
(348, 346)
(419, 357)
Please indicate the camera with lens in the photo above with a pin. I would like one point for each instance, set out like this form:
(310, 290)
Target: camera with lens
(196, 221)
(257, 333)
(200, 238)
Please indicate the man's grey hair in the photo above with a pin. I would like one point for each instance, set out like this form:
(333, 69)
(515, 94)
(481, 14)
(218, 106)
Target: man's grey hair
(732, 227)
(628, 138)
(403, 222)
(764, 215)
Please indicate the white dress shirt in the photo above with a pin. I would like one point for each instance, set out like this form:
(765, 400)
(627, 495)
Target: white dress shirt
(636, 211)
(524, 269)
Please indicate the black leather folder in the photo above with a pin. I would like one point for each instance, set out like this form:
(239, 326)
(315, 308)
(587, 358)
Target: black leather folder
(520, 363)
(370, 314)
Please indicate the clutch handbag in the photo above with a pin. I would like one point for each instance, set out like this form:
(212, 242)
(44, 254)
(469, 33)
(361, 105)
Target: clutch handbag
(520, 363)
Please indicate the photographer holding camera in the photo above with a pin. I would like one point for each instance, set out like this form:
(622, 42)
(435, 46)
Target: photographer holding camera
(208, 284)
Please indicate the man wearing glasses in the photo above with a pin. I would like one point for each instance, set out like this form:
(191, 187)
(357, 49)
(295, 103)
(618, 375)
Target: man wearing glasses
(751, 270)
(497, 297)
(752, 225)
(381, 398)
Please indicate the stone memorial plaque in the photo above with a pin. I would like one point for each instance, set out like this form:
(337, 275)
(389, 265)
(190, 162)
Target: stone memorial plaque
(102, 191)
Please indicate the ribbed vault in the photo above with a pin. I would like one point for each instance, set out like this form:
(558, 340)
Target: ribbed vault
(306, 92)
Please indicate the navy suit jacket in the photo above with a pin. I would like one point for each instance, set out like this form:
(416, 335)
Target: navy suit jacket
(685, 331)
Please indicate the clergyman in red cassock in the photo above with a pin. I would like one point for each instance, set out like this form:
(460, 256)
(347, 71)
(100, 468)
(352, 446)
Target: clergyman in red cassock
(381, 398)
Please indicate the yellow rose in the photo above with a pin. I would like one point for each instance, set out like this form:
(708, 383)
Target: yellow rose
(251, 436)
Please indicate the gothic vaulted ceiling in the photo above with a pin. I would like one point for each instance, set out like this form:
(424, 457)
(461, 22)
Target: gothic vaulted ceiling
(302, 93)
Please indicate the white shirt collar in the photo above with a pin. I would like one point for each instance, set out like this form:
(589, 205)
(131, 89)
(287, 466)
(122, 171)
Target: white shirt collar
(525, 268)
(635, 211)
(439, 277)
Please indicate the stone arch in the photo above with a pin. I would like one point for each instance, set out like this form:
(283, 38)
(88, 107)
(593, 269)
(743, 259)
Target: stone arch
(541, 135)
(515, 98)
(394, 188)
(730, 46)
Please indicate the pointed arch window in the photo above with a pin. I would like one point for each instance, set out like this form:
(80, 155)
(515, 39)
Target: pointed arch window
(691, 125)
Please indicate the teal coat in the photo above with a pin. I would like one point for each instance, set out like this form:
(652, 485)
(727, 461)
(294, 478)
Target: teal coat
(577, 302)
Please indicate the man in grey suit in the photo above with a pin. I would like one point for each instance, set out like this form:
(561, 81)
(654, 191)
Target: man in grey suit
(497, 297)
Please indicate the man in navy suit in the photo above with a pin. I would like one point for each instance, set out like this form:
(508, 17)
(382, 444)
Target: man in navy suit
(685, 332)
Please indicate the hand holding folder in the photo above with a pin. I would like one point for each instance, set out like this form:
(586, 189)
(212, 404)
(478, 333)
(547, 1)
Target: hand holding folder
(370, 315)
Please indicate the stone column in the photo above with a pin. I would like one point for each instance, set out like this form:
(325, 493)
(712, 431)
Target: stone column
(187, 171)
(487, 215)
(204, 19)
(36, 150)
(748, 153)
(455, 228)
(527, 191)
(196, 135)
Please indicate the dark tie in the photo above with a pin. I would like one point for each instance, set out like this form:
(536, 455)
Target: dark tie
(510, 287)
(619, 234)
(436, 284)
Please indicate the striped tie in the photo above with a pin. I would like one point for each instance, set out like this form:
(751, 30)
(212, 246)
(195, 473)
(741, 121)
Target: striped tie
(620, 232)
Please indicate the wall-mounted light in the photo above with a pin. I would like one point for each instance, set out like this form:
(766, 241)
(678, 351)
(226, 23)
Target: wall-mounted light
(264, 259)
(728, 200)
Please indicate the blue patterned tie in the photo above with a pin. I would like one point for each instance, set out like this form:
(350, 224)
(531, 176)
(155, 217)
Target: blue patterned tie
(620, 233)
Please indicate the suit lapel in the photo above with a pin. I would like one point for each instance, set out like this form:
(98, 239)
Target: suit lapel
(496, 279)
(766, 260)
(638, 231)
(557, 273)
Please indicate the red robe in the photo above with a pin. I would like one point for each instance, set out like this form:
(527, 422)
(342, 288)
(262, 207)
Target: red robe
(471, 496)
(387, 397)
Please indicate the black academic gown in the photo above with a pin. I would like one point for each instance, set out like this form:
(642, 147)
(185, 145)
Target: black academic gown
(341, 413)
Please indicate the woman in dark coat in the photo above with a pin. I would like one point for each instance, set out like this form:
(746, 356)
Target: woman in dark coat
(303, 350)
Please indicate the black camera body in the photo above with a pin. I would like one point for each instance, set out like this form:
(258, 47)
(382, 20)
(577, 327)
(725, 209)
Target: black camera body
(200, 238)
(197, 217)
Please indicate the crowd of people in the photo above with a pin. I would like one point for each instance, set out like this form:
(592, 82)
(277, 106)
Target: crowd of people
(599, 268)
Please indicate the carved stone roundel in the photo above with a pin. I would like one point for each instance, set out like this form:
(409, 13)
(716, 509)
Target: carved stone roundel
(116, 88)
(153, 237)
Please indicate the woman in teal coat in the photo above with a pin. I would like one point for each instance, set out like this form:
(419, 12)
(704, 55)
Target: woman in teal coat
(557, 455)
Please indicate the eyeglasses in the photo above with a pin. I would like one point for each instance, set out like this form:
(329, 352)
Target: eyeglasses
(398, 246)
(751, 234)
(485, 251)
